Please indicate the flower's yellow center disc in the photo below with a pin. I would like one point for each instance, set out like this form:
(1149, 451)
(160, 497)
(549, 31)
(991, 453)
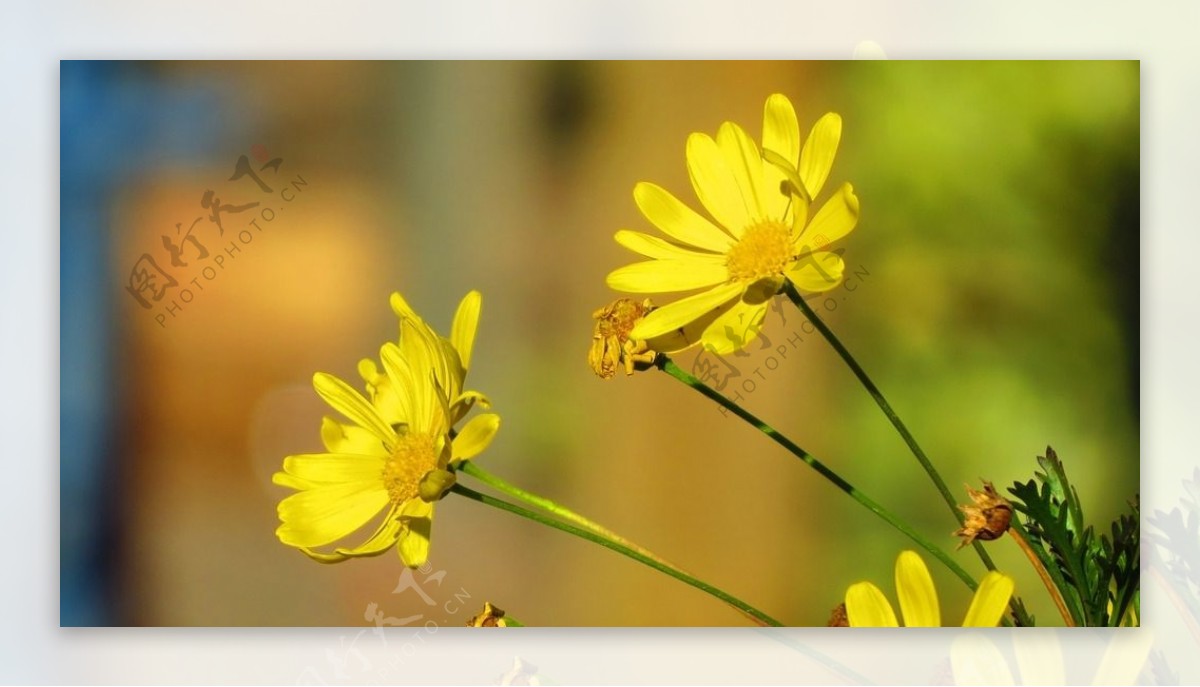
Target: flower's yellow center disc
(764, 250)
(415, 455)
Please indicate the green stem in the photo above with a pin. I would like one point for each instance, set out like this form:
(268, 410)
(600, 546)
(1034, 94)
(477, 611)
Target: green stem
(886, 407)
(667, 365)
(470, 468)
(742, 606)
(1053, 581)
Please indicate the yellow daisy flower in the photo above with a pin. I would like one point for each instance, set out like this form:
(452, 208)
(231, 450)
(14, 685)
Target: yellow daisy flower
(397, 454)
(762, 235)
(866, 606)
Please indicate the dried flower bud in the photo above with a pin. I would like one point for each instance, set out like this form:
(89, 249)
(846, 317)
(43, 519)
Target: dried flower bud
(611, 345)
(838, 617)
(988, 519)
(490, 617)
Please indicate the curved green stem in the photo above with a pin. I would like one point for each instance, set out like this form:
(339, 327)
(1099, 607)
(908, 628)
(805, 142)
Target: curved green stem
(470, 468)
(667, 365)
(1050, 580)
(742, 606)
(934, 475)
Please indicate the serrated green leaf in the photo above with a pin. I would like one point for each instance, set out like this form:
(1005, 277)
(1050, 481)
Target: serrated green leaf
(1052, 543)
(1098, 575)
(1055, 477)
(1123, 564)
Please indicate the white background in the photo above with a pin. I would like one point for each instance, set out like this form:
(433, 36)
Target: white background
(35, 36)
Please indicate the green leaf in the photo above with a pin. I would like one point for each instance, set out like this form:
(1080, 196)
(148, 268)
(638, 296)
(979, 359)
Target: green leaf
(1055, 477)
(1099, 575)
(1123, 564)
(1056, 546)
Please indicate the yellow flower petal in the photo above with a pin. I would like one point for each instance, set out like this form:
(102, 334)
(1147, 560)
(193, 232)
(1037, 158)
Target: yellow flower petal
(677, 220)
(401, 307)
(659, 276)
(384, 537)
(781, 130)
(464, 402)
(450, 371)
(402, 378)
(817, 272)
(291, 481)
(781, 135)
(475, 436)
(333, 468)
(387, 402)
(715, 183)
(344, 399)
(466, 323)
(684, 311)
(866, 606)
(417, 519)
(834, 220)
(746, 164)
(435, 484)
(918, 598)
(690, 334)
(735, 328)
(423, 352)
(368, 371)
(420, 350)
(381, 394)
(426, 350)
(653, 247)
(342, 438)
(816, 160)
(990, 602)
(762, 290)
(326, 513)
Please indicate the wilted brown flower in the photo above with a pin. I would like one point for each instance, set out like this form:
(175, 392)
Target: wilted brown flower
(838, 617)
(490, 617)
(988, 519)
(611, 345)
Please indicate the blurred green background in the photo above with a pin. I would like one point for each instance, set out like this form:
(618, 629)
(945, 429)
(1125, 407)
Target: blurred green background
(993, 296)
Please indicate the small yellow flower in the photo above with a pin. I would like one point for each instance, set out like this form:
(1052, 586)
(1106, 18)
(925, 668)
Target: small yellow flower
(397, 453)
(763, 232)
(866, 606)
